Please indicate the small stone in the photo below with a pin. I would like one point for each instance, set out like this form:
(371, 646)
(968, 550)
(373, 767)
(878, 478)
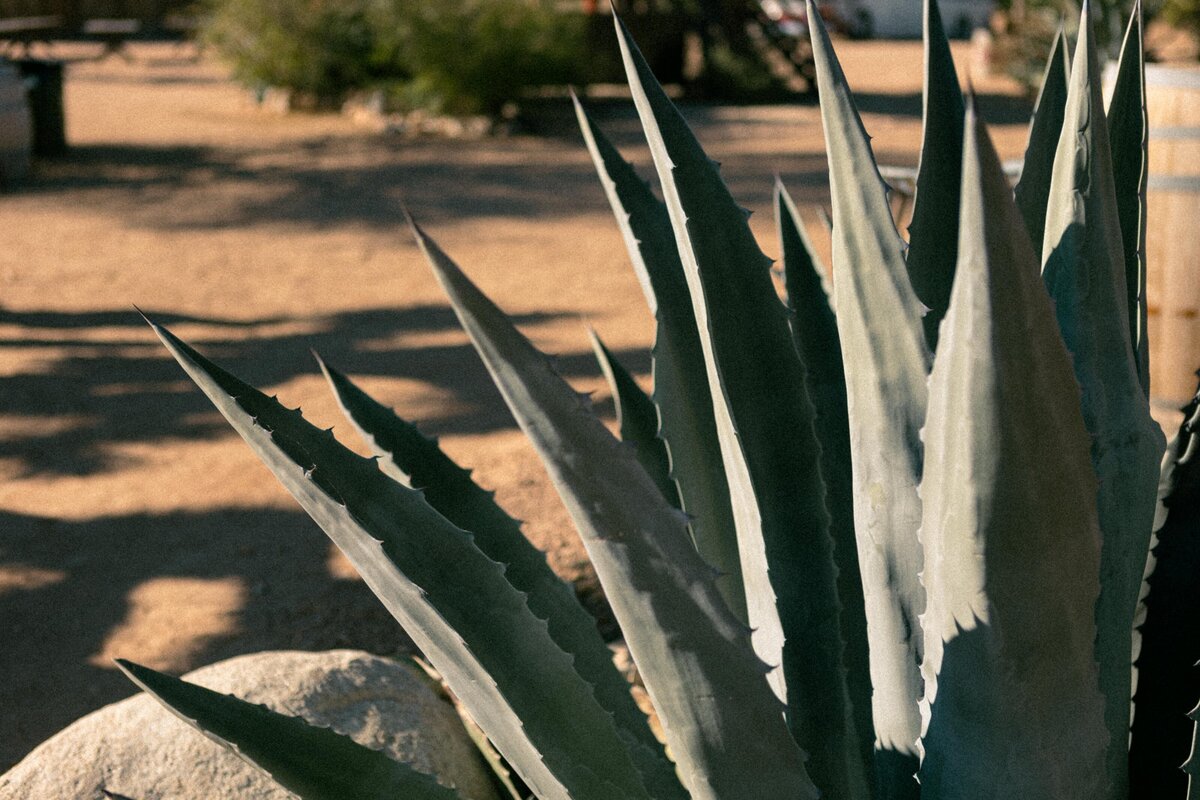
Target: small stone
(138, 749)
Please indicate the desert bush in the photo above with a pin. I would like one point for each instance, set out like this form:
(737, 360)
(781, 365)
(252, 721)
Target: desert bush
(320, 49)
(454, 56)
(1183, 14)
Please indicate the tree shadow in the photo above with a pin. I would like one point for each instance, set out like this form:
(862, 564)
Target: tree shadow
(92, 394)
(55, 628)
(327, 182)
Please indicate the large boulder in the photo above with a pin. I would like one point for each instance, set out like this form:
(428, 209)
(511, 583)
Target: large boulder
(138, 749)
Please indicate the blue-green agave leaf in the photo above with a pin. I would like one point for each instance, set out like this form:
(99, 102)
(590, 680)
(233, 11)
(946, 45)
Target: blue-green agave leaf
(1084, 269)
(311, 762)
(505, 781)
(450, 490)
(814, 330)
(723, 725)
(768, 442)
(637, 420)
(1192, 766)
(1168, 680)
(455, 602)
(1011, 571)
(681, 391)
(1033, 189)
(1129, 132)
(879, 322)
(933, 232)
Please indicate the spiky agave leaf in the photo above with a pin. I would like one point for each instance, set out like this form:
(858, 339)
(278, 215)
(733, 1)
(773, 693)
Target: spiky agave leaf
(814, 330)
(723, 725)
(455, 602)
(1129, 132)
(450, 490)
(681, 388)
(637, 419)
(1011, 694)
(765, 427)
(879, 322)
(1168, 684)
(1192, 766)
(312, 762)
(1033, 188)
(933, 232)
(1084, 269)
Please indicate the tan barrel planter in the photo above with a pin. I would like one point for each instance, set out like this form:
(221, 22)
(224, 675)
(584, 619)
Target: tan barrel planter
(1173, 230)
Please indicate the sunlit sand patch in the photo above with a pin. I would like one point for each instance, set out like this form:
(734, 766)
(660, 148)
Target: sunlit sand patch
(18, 427)
(339, 566)
(21, 578)
(171, 620)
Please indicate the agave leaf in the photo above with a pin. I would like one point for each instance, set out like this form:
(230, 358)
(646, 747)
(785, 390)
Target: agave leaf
(814, 329)
(1168, 682)
(1033, 189)
(1084, 269)
(449, 489)
(933, 232)
(1192, 766)
(681, 389)
(455, 602)
(1011, 694)
(1128, 128)
(312, 762)
(723, 725)
(765, 426)
(879, 322)
(637, 420)
(504, 780)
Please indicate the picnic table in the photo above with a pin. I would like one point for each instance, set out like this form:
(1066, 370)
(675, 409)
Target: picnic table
(18, 33)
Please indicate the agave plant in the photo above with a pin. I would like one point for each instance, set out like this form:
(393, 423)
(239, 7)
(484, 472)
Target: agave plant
(889, 542)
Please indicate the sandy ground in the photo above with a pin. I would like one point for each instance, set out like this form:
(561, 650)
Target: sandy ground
(133, 522)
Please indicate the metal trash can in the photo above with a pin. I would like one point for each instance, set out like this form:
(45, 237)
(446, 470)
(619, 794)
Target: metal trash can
(44, 85)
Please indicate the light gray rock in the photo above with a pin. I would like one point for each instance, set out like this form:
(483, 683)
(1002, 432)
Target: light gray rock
(139, 749)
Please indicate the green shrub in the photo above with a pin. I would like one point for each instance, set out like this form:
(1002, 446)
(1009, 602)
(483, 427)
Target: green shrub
(910, 524)
(473, 56)
(320, 49)
(1183, 14)
(453, 56)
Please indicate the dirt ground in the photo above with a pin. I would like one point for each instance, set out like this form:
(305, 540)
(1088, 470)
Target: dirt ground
(133, 522)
